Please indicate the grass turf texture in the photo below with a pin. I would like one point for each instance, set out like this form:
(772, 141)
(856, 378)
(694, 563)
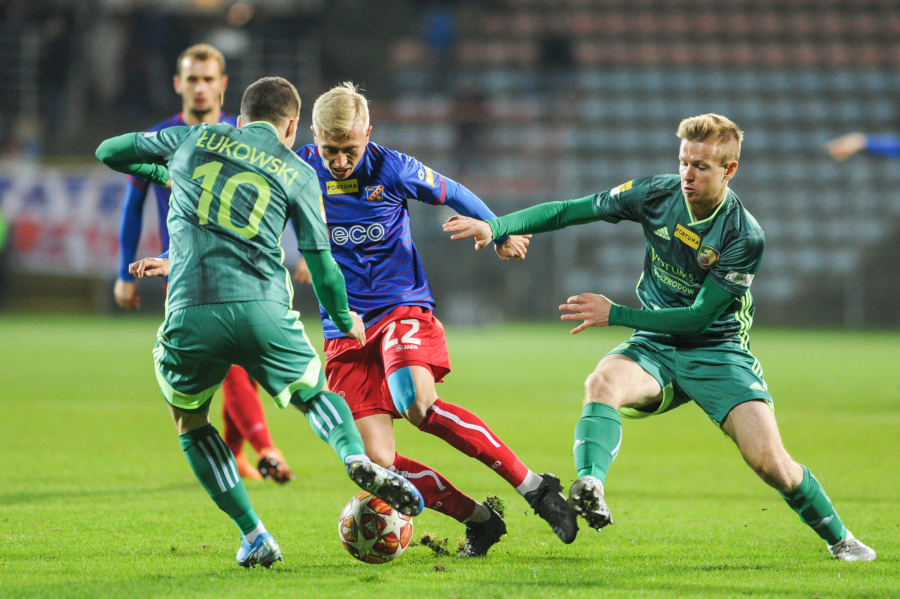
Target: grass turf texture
(96, 499)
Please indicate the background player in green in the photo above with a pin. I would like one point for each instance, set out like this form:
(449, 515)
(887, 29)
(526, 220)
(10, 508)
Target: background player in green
(229, 296)
(691, 337)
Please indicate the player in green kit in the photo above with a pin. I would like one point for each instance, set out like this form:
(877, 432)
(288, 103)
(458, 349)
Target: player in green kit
(229, 296)
(691, 338)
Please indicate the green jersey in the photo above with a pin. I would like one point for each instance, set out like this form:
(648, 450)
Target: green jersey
(233, 191)
(682, 253)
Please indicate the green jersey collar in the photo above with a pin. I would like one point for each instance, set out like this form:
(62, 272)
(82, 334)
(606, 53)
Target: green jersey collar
(265, 124)
(711, 216)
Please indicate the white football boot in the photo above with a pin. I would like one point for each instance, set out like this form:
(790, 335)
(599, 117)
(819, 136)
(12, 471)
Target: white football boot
(850, 549)
(586, 500)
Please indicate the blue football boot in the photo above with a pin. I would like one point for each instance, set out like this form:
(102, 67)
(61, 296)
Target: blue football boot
(391, 488)
(264, 551)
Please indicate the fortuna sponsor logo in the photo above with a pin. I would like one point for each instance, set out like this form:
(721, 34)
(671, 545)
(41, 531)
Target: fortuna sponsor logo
(739, 278)
(623, 187)
(223, 145)
(688, 237)
(340, 187)
(663, 232)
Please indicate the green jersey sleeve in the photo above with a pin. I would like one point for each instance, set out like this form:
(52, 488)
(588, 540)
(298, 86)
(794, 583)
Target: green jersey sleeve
(119, 153)
(158, 146)
(739, 263)
(308, 217)
(625, 202)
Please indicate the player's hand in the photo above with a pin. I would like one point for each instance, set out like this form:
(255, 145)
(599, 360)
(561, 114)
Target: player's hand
(515, 247)
(168, 184)
(301, 273)
(126, 294)
(841, 148)
(358, 331)
(592, 308)
(465, 227)
(150, 267)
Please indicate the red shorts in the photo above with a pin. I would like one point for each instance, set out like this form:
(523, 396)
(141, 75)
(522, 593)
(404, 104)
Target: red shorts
(405, 336)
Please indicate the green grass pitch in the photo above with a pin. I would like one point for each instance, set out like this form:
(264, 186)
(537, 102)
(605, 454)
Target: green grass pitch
(97, 500)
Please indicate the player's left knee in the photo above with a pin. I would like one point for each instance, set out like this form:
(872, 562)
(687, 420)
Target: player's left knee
(776, 471)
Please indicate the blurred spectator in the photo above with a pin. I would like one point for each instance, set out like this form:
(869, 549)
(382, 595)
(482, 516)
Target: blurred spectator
(4, 259)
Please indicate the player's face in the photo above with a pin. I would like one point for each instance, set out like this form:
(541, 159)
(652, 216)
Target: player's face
(704, 181)
(342, 156)
(200, 83)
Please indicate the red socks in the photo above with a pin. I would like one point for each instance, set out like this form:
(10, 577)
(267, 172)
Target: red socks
(440, 495)
(243, 414)
(469, 434)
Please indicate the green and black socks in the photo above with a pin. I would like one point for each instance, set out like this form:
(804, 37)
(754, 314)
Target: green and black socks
(214, 466)
(598, 436)
(331, 419)
(814, 507)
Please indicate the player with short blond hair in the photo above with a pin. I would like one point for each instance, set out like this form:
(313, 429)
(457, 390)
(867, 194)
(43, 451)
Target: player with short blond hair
(365, 189)
(691, 339)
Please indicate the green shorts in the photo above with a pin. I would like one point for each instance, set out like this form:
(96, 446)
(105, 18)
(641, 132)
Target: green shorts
(197, 345)
(717, 378)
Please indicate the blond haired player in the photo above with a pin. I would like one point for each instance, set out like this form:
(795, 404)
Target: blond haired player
(691, 339)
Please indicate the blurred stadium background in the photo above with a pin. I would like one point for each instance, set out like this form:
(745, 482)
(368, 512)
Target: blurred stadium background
(523, 101)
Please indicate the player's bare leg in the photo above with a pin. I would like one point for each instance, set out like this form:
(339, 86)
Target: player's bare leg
(616, 382)
(415, 396)
(753, 428)
(484, 526)
(213, 464)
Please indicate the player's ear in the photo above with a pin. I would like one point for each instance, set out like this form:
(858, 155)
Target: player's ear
(291, 127)
(240, 122)
(315, 137)
(224, 83)
(730, 169)
(368, 133)
(176, 83)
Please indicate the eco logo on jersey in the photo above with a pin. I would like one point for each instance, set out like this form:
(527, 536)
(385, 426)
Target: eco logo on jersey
(707, 256)
(375, 193)
(688, 237)
(338, 187)
(623, 187)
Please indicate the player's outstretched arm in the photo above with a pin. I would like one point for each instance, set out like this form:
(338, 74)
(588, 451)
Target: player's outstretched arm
(598, 311)
(331, 291)
(150, 267)
(119, 153)
(466, 227)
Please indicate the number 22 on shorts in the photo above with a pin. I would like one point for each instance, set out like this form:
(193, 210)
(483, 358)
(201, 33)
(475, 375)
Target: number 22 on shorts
(407, 340)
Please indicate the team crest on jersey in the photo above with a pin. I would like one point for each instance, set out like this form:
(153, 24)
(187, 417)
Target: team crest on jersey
(340, 187)
(707, 256)
(375, 193)
(688, 237)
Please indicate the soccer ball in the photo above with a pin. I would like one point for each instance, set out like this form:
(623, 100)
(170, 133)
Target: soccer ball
(372, 531)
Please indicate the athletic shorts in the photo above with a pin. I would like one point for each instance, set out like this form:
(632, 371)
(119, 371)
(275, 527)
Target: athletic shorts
(197, 345)
(717, 378)
(405, 336)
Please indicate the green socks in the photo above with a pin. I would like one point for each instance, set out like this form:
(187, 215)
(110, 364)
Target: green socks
(214, 466)
(814, 507)
(330, 418)
(598, 436)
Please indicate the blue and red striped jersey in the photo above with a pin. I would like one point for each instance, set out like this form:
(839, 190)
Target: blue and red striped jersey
(368, 224)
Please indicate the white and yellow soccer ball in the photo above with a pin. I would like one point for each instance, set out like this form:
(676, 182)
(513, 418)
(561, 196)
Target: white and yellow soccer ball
(372, 531)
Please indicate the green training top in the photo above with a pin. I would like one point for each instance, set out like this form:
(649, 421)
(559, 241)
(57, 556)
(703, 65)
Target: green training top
(683, 256)
(233, 191)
